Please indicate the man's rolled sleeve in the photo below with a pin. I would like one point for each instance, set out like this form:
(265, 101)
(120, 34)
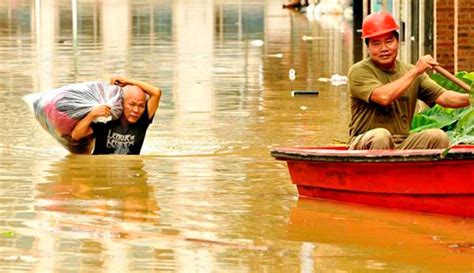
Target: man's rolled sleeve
(429, 90)
(362, 81)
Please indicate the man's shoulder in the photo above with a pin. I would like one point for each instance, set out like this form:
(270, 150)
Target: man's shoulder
(361, 67)
(362, 64)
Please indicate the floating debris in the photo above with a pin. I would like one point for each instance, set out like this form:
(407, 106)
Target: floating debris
(278, 55)
(304, 92)
(324, 79)
(257, 43)
(304, 108)
(310, 38)
(292, 74)
(460, 246)
(335, 80)
(23, 258)
(7, 234)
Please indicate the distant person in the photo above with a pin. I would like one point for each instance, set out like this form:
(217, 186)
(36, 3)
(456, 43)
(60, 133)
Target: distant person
(384, 93)
(126, 134)
(295, 4)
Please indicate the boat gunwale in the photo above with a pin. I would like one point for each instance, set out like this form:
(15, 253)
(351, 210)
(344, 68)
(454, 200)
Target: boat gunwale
(341, 154)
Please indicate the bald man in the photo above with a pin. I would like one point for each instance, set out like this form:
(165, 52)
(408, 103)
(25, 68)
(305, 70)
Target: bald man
(126, 134)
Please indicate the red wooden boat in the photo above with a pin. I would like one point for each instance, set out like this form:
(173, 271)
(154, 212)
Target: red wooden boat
(422, 180)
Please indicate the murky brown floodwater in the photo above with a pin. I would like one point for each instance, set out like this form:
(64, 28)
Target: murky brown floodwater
(205, 196)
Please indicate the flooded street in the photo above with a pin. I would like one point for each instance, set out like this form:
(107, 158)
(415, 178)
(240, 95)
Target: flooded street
(205, 195)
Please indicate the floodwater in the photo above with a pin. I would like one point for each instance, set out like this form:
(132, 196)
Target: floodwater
(205, 195)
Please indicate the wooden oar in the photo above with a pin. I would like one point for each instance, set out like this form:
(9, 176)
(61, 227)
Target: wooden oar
(453, 78)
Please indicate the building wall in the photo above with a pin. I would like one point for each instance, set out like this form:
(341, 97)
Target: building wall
(466, 35)
(455, 34)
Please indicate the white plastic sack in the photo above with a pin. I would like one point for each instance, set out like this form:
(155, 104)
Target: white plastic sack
(59, 110)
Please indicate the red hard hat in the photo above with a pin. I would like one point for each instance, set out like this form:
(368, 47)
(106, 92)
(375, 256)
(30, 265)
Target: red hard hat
(378, 23)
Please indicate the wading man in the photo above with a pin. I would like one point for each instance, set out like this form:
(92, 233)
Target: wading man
(126, 134)
(384, 93)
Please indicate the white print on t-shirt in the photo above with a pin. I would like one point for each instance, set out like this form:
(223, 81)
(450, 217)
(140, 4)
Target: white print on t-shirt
(119, 141)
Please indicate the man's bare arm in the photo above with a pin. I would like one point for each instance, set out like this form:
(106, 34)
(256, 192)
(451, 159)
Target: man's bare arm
(453, 99)
(153, 92)
(386, 94)
(83, 127)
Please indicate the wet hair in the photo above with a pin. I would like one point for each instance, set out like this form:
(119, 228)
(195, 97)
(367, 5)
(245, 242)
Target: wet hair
(395, 33)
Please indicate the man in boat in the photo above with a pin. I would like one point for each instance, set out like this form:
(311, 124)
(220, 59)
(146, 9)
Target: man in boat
(126, 134)
(384, 93)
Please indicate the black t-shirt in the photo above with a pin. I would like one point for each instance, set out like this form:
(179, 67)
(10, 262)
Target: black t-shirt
(114, 137)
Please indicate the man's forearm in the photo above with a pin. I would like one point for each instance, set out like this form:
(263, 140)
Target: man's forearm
(453, 99)
(82, 128)
(151, 90)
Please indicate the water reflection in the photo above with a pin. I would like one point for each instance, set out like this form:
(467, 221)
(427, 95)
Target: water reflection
(46, 24)
(115, 22)
(341, 235)
(99, 187)
(85, 204)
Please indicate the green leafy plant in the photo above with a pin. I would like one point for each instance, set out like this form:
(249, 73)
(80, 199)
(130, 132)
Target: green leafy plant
(457, 123)
(463, 75)
(7, 234)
